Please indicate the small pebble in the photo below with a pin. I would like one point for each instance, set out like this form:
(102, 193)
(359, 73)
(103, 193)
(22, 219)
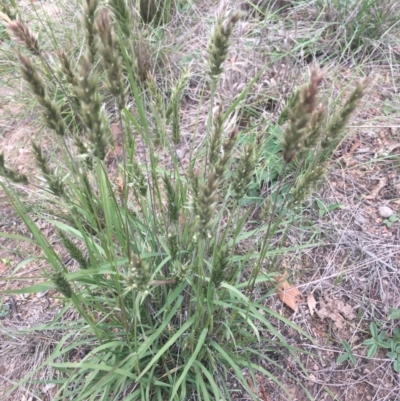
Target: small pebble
(180, 154)
(360, 219)
(385, 211)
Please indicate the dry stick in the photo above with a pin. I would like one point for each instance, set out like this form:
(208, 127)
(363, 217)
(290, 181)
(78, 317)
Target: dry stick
(17, 385)
(377, 258)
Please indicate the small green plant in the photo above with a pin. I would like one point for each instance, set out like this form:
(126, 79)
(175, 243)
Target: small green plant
(394, 313)
(348, 355)
(325, 209)
(4, 310)
(394, 352)
(380, 340)
(390, 220)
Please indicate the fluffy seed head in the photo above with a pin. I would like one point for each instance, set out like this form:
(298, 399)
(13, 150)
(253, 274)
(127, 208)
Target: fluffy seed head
(23, 35)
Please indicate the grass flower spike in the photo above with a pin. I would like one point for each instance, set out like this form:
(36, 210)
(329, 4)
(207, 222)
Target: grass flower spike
(219, 45)
(24, 36)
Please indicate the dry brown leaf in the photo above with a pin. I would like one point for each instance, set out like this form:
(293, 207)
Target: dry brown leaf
(348, 158)
(390, 147)
(376, 190)
(337, 311)
(264, 395)
(250, 383)
(311, 302)
(288, 294)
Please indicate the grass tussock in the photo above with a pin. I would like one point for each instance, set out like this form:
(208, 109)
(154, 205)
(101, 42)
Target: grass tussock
(167, 303)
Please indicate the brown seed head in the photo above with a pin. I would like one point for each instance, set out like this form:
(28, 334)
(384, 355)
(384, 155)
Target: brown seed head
(22, 34)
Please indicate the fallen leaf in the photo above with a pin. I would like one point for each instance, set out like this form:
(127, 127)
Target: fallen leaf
(376, 190)
(311, 302)
(337, 311)
(264, 395)
(288, 294)
(348, 158)
(390, 147)
(250, 383)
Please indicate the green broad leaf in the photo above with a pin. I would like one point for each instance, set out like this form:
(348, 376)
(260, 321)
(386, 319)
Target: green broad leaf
(334, 206)
(373, 329)
(33, 289)
(392, 355)
(346, 346)
(4, 310)
(383, 344)
(370, 341)
(394, 313)
(342, 358)
(396, 366)
(372, 351)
